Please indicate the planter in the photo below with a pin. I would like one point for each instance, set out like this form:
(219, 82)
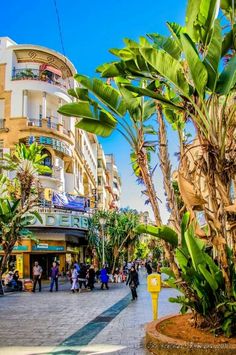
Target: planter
(174, 335)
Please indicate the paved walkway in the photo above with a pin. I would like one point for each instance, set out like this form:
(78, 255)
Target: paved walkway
(99, 322)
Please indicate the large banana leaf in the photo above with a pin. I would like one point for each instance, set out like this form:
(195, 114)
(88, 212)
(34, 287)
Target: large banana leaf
(197, 68)
(104, 92)
(200, 17)
(184, 226)
(165, 233)
(103, 127)
(79, 109)
(195, 252)
(228, 42)
(212, 59)
(209, 278)
(167, 66)
(154, 95)
(176, 30)
(168, 44)
(79, 93)
(227, 79)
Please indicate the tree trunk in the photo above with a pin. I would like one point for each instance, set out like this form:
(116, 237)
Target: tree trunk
(2, 267)
(166, 169)
(143, 165)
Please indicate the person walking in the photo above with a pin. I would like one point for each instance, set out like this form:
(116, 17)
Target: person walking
(104, 278)
(91, 277)
(37, 274)
(133, 282)
(82, 277)
(148, 267)
(74, 277)
(53, 275)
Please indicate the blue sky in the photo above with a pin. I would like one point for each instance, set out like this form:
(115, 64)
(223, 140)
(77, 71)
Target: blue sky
(89, 29)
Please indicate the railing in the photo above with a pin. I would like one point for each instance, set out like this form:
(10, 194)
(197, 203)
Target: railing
(47, 207)
(40, 75)
(33, 122)
(79, 150)
(51, 122)
(66, 131)
(2, 123)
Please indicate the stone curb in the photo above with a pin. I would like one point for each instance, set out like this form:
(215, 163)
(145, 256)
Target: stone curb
(160, 344)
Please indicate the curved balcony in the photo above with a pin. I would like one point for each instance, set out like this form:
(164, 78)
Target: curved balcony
(49, 125)
(51, 77)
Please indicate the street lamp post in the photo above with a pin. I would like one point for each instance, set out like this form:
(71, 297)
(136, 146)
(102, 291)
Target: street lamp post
(102, 222)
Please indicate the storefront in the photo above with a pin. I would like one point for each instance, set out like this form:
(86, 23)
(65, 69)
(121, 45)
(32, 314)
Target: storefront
(62, 237)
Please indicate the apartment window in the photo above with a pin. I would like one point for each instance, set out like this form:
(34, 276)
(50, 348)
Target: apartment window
(115, 185)
(47, 161)
(99, 197)
(99, 180)
(1, 148)
(99, 163)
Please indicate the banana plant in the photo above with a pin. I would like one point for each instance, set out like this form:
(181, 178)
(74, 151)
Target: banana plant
(197, 64)
(19, 197)
(201, 281)
(102, 107)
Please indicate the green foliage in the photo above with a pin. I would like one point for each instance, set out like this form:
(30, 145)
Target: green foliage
(163, 232)
(202, 287)
(119, 232)
(19, 196)
(141, 251)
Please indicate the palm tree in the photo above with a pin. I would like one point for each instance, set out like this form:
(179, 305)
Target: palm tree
(119, 231)
(19, 197)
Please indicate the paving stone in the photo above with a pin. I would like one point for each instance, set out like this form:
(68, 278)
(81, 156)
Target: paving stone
(48, 319)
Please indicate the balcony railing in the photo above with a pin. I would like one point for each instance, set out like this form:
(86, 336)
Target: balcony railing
(36, 74)
(3, 125)
(50, 122)
(79, 150)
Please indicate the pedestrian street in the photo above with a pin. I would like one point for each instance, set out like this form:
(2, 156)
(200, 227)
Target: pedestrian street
(98, 322)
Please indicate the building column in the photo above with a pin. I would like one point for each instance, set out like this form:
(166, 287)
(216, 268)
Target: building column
(44, 105)
(59, 115)
(25, 103)
(26, 263)
(81, 254)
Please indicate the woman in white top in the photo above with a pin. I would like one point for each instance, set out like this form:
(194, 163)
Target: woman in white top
(74, 277)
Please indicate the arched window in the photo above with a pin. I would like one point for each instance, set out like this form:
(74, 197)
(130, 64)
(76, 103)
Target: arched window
(47, 161)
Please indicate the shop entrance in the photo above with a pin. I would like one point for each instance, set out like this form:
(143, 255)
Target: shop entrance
(45, 261)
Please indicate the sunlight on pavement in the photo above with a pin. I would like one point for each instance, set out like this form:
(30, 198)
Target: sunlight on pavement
(48, 350)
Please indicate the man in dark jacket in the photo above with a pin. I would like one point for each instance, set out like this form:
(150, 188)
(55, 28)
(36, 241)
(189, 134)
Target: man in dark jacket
(82, 277)
(53, 274)
(149, 267)
(133, 282)
(91, 277)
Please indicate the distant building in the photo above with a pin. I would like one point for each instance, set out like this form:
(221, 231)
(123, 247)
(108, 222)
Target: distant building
(114, 180)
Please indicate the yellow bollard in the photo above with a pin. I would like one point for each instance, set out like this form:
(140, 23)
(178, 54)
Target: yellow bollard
(154, 287)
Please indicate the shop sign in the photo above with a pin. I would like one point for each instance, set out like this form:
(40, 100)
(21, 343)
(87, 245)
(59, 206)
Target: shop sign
(19, 265)
(19, 247)
(54, 143)
(59, 220)
(46, 247)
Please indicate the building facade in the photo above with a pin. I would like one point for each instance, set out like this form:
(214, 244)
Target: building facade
(113, 182)
(33, 84)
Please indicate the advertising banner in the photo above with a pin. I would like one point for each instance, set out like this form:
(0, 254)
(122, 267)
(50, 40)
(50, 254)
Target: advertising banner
(71, 202)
